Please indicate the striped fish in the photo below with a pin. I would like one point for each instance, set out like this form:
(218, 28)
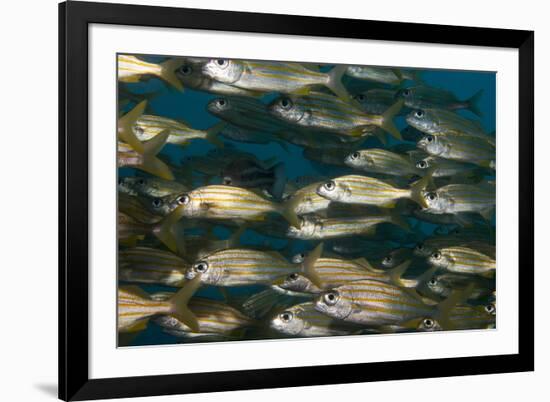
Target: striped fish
(150, 186)
(383, 75)
(273, 76)
(440, 122)
(213, 317)
(308, 200)
(426, 97)
(131, 206)
(364, 190)
(372, 303)
(148, 160)
(376, 101)
(241, 267)
(464, 148)
(462, 198)
(303, 320)
(234, 203)
(179, 132)
(463, 260)
(150, 265)
(135, 307)
(313, 227)
(133, 69)
(442, 167)
(327, 113)
(382, 161)
(329, 156)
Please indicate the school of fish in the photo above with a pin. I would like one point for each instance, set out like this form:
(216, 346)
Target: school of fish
(395, 233)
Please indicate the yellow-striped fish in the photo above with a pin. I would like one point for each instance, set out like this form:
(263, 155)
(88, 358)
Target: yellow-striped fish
(303, 320)
(328, 113)
(133, 69)
(382, 161)
(273, 76)
(375, 303)
(213, 318)
(125, 127)
(148, 160)
(132, 207)
(463, 260)
(234, 203)
(442, 285)
(240, 267)
(150, 186)
(462, 198)
(384, 75)
(179, 132)
(135, 307)
(308, 200)
(364, 190)
(151, 265)
(314, 227)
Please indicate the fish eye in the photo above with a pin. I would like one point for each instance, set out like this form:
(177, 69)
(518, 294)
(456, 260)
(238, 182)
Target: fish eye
(201, 266)
(221, 102)
(140, 182)
(120, 181)
(420, 247)
(355, 155)
(157, 203)
(227, 180)
(331, 298)
(330, 185)
(139, 130)
(422, 165)
(293, 276)
(490, 308)
(419, 113)
(430, 138)
(436, 255)
(186, 69)
(360, 97)
(286, 316)
(432, 282)
(286, 103)
(221, 62)
(183, 199)
(428, 323)
(431, 196)
(407, 92)
(387, 260)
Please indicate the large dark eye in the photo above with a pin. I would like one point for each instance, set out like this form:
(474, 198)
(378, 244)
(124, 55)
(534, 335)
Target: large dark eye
(490, 308)
(330, 185)
(406, 92)
(420, 247)
(157, 203)
(428, 323)
(360, 97)
(331, 298)
(227, 181)
(222, 102)
(183, 199)
(419, 114)
(432, 282)
(422, 165)
(186, 70)
(293, 276)
(286, 316)
(354, 155)
(430, 138)
(387, 260)
(286, 103)
(201, 266)
(436, 255)
(140, 182)
(431, 196)
(221, 62)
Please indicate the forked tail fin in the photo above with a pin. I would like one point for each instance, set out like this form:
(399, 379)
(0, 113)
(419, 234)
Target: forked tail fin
(125, 129)
(180, 303)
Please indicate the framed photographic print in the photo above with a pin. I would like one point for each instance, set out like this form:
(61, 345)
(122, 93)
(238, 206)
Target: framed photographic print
(258, 201)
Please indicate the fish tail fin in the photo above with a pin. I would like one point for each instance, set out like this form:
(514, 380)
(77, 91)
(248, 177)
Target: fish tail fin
(445, 307)
(126, 127)
(168, 72)
(280, 181)
(165, 232)
(387, 119)
(398, 220)
(397, 272)
(152, 164)
(212, 134)
(287, 209)
(180, 303)
(335, 82)
(473, 103)
(381, 135)
(308, 266)
(419, 186)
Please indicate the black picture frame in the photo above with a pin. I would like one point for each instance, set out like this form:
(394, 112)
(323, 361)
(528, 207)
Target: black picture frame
(74, 19)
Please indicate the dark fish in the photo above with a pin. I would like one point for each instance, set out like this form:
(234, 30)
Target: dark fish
(247, 173)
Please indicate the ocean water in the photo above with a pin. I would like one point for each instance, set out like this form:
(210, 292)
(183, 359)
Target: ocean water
(190, 106)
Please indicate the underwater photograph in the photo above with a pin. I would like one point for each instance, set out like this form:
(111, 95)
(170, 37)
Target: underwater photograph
(266, 199)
